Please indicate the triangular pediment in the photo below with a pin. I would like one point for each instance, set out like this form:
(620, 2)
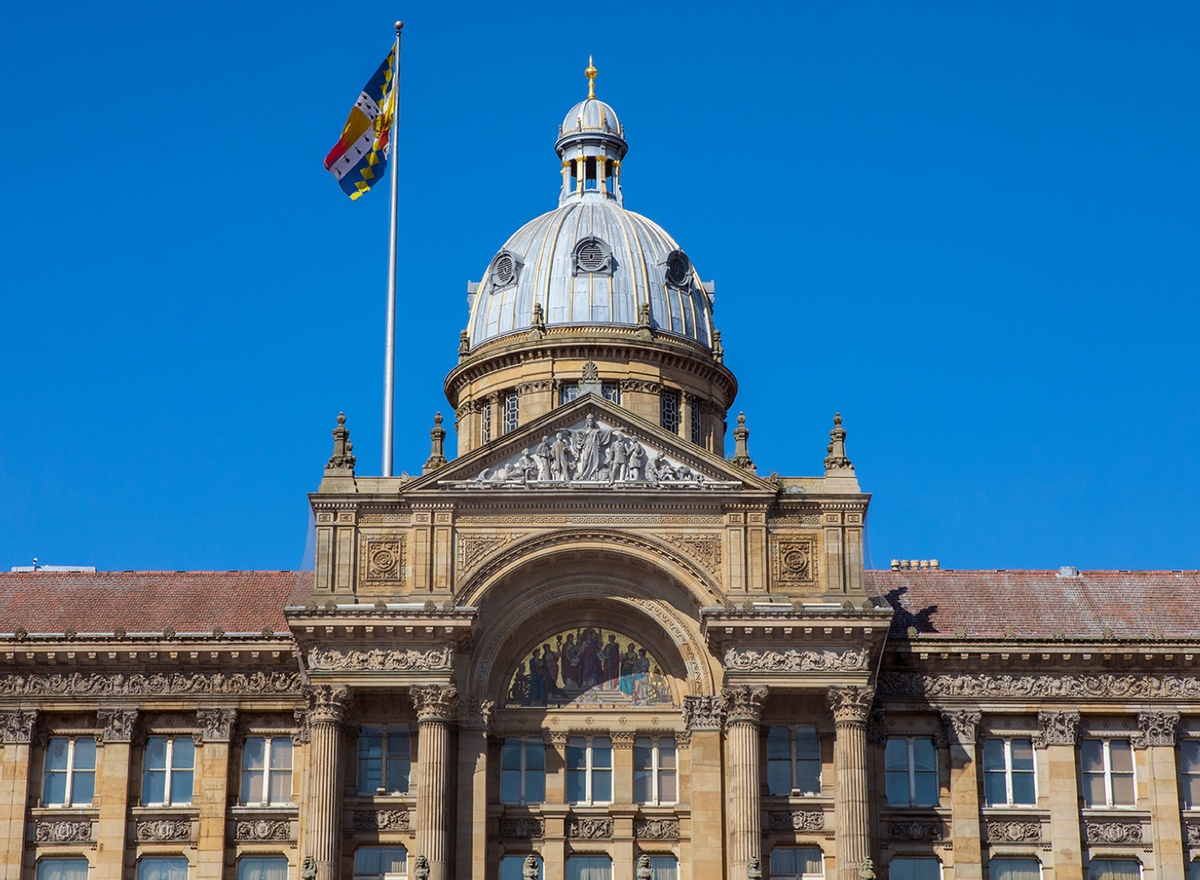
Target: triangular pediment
(591, 443)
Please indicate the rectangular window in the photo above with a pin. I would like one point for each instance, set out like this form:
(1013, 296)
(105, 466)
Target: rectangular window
(522, 771)
(697, 422)
(1189, 768)
(915, 869)
(62, 869)
(380, 863)
(655, 779)
(1014, 869)
(1114, 869)
(485, 422)
(589, 770)
(70, 776)
(512, 412)
(663, 868)
(167, 771)
(793, 761)
(589, 868)
(384, 760)
(513, 867)
(611, 391)
(911, 767)
(170, 868)
(262, 868)
(1107, 767)
(267, 770)
(796, 862)
(1008, 774)
(668, 406)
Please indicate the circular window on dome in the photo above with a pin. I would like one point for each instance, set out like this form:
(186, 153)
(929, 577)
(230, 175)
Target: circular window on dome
(504, 269)
(678, 269)
(592, 255)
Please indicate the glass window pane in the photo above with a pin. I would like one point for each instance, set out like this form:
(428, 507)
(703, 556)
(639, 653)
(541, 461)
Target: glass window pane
(897, 788)
(995, 789)
(154, 787)
(56, 756)
(535, 756)
(785, 860)
(1023, 789)
(993, 754)
(181, 787)
(513, 868)
(1014, 869)
(602, 786)
(1093, 790)
(162, 869)
(1091, 755)
(1122, 788)
(808, 776)
(576, 754)
(83, 787)
(667, 788)
(915, 869)
(510, 754)
(156, 753)
(260, 868)
(535, 785)
(643, 791)
(510, 786)
(1022, 754)
(183, 753)
(808, 744)
(666, 754)
(576, 786)
(643, 755)
(281, 786)
(281, 753)
(85, 753)
(924, 755)
(1121, 756)
(589, 868)
(54, 788)
(602, 752)
(926, 793)
(1191, 792)
(895, 754)
(1189, 756)
(664, 867)
(1113, 869)
(779, 743)
(253, 753)
(62, 869)
(779, 776)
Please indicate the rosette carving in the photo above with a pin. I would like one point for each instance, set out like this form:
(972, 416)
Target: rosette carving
(155, 830)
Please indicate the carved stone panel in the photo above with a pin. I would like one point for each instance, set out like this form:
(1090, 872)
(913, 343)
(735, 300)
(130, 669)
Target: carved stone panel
(917, 829)
(999, 831)
(1057, 729)
(753, 660)
(381, 660)
(656, 829)
(794, 560)
(1156, 729)
(216, 724)
(1113, 832)
(705, 549)
(473, 549)
(703, 713)
(160, 830)
(263, 829)
(522, 828)
(118, 724)
(589, 828)
(381, 559)
(796, 820)
(382, 820)
(63, 832)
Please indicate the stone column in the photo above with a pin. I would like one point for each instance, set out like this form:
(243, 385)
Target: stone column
(703, 716)
(1156, 734)
(1057, 737)
(472, 839)
(212, 791)
(851, 807)
(961, 726)
(112, 788)
(16, 737)
(327, 706)
(743, 708)
(436, 707)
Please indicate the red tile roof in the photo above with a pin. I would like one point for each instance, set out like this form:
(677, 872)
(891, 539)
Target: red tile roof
(148, 601)
(1132, 604)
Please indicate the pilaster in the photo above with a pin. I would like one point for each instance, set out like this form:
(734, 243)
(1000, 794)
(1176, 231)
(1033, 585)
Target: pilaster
(1157, 732)
(1057, 737)
(326, 711)
(703, 716)
(16, 737)
(472, 839)
(212, 788)
(117, 728)
(961, 726)
(850, 707)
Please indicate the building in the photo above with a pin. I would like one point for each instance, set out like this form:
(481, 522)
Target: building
(592, 647)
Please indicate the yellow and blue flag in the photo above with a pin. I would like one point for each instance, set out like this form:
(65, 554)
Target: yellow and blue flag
(360, 156)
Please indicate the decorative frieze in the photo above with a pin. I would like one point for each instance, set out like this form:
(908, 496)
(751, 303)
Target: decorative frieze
(1066, 686)
(16, 725)
(1009, 831)
(523, 828)
(117, 724)
(656, 829)
(796, 820)
(703, 713)
(119, 684)
(794, 560)
(917, 829)
(472, 550)
(1156, 729)
(382, 820)
(321, 659)
(262, 829)
(589, 828)
(1056, 729)
(381, 558)
(706, 549)
(1113, 832)
(850, 705)
(750, 660)
(216, 725)
(63, 832)
(163, 830)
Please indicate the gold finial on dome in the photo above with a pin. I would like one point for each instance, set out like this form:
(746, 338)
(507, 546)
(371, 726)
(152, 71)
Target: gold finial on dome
(590, 73)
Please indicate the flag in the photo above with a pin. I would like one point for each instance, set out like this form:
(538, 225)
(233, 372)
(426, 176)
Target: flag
(360, 156)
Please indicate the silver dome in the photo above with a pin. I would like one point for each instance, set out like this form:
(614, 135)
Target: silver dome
(591, 115)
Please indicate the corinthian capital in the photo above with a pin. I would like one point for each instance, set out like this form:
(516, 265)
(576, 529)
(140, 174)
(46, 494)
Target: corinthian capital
(16, 726)
(1057, 729)
(435, 702)
(744, 703)
(961, 726)
(327, 703)
(217, 724)
(118, 724)
(850, 705)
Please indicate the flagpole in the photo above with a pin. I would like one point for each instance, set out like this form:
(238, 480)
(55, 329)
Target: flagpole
(389, 363)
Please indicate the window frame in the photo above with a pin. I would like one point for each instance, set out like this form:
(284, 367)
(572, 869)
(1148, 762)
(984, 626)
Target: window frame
(156, 857)
(510, 409)
(787, 847)
(1189, 777)
(523, 771)
(37, 870)
(916, 858)
(168, 770)
(1008, 772)
(912, 772)
(795, 761)
(267, 772)
(670, 405)
(70, 773)
(656, 770)
(385, 875)
(1011, 858)
(1108, 774)
(386, 787)
(590, 770)
(262, 857)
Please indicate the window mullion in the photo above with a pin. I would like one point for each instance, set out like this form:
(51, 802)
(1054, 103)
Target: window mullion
(266, 789)
(383, 760)
(170, 759)
(1008, 772)
(70, 792)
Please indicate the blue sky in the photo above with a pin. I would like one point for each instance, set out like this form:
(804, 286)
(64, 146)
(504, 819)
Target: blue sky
(974, 229)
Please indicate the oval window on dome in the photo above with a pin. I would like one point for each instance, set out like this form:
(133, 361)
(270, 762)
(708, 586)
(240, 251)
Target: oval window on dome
(592, 255)
(678, 269)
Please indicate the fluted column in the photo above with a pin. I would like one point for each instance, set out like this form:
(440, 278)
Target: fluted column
(743, 711)
(436, 705)
(326, 710)
(850, 707)
(471, 851)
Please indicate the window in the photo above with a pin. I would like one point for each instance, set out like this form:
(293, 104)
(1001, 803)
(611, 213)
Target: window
(795, 862)
(262, 868)
(1189, 766)
(654, 770)
(697, 424)
(668, 406)
(567, 393)
(512, 411)
(1193, 870)
(662, 868)
(1107, 773)
(513, 867)
(522, 771)
(70, 778)
(589, 868)
(1014, 869)
(485, 422)
(793, 761)
(911, 767)
(267, 770)
(1114, 869)
(62, 869)
(1008, 775)
(611, 391)
(589, 770)
(167, 770)
(384, 760)
(380, 862)
(172, 868)
(915, 869)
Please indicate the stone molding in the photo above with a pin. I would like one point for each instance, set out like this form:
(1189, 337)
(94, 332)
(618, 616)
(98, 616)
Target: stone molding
(382, 820)
(705, 548)
(474, 549)
(163, 830)
(750, 660)
(522, 828)
(656, 829)
(589, 828)
(917, 829)
(262, 829)
(17, 725)
(850, 705)
(796, 820)
(744, 704)
(322, 659)
(962, 726)
(98, 684)
(326, 703)
(1156, 729)
(63, 832)
(217, 724)
(1067, 686)
(1012, 831)
(1056, 729)
(117, 724)
(434, 702)
(1113, 832)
